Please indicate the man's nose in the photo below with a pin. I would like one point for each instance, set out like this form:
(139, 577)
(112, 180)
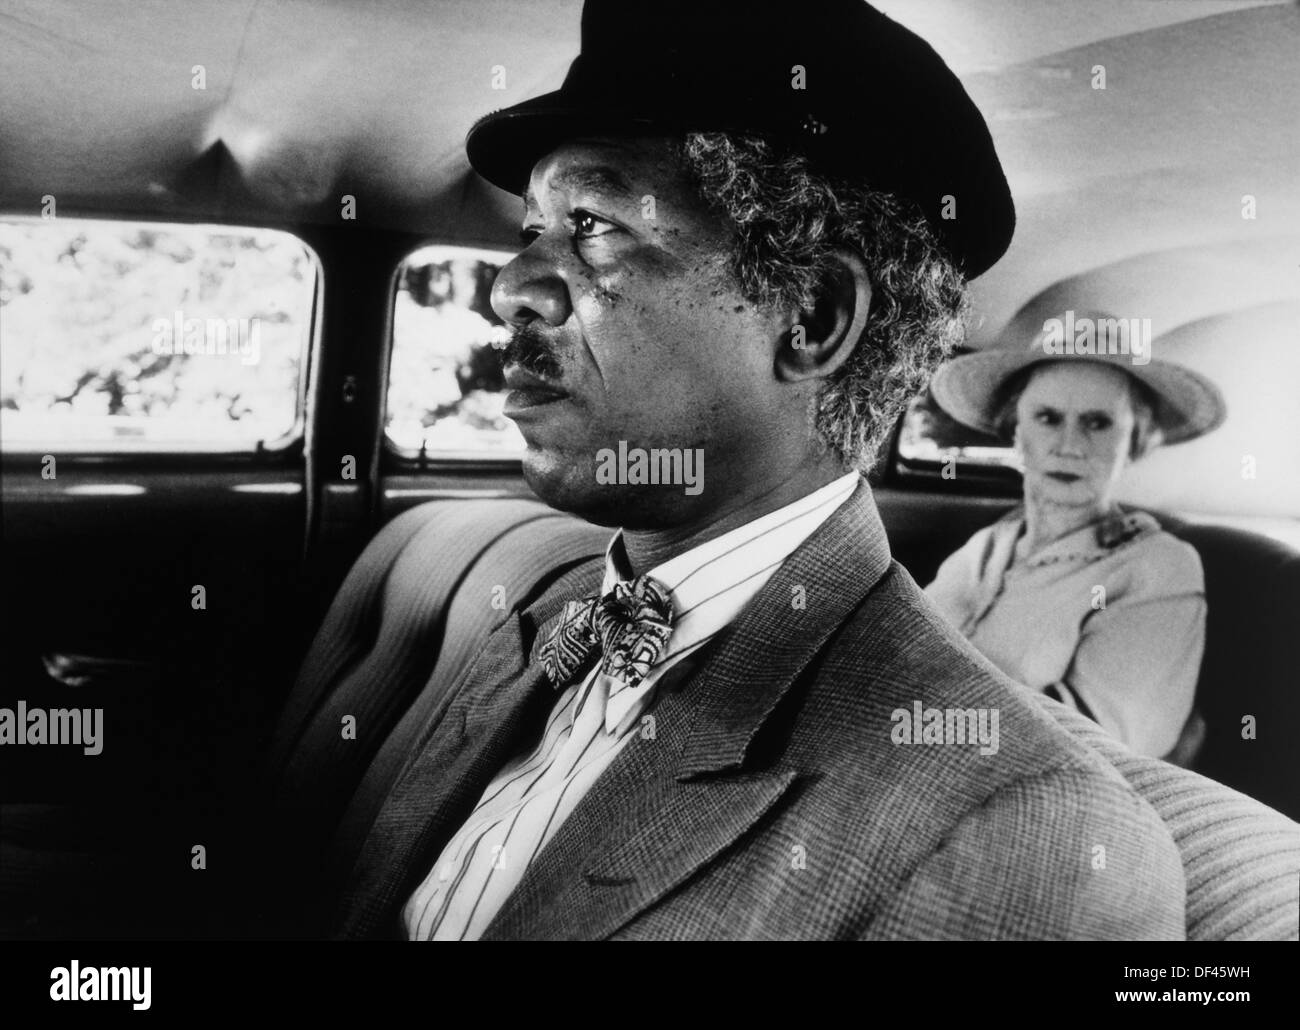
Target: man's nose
(1073, 441)
(528, 288)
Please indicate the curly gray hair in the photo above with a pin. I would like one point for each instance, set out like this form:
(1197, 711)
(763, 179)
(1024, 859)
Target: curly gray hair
(788, 218)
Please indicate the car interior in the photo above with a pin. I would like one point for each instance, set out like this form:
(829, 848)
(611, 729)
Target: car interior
(321, 535)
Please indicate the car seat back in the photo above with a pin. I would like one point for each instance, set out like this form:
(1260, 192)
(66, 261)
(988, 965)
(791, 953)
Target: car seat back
(1247, 692)
(1241, 858)
(407, 622)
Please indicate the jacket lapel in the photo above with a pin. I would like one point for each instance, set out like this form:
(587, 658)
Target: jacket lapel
(639, 833)
(671, 803)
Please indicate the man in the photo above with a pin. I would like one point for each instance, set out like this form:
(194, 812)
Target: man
(746, 233)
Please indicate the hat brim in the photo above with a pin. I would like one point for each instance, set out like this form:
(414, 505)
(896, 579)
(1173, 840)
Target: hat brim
(967, 389)
(504, 146)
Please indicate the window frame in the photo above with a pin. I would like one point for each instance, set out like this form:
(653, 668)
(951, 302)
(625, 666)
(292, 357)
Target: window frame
(284, 449)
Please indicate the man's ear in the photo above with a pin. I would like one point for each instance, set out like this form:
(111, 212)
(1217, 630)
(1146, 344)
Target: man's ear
(822, 339)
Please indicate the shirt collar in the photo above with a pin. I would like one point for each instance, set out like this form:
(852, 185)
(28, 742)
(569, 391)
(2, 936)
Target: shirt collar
(712, 582)
(695, 573)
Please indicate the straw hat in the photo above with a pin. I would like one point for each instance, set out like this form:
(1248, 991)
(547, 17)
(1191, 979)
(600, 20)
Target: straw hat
(1189, 406)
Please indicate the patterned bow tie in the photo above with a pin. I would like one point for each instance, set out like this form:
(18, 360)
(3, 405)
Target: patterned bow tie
(628, 628)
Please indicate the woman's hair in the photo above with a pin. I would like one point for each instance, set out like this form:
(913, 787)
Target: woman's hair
(787, 221)
(1142, 399)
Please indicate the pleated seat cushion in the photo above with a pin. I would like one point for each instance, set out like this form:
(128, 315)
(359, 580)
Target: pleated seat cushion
(1240, 857)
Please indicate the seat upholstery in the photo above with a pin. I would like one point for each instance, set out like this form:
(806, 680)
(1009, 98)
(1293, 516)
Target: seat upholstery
(378, 646)
(419, 604)
(406, 623)
(1241, 858)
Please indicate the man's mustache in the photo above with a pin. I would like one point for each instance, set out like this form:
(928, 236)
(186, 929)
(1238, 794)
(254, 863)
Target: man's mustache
(529, 349)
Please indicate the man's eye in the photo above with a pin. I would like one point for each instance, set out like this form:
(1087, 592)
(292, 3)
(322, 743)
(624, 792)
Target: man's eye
(1099, 423)
(583, 225)
(1047, 418)
(586, 225)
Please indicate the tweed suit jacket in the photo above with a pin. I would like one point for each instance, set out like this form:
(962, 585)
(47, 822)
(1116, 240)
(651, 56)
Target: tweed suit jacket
(770, 799)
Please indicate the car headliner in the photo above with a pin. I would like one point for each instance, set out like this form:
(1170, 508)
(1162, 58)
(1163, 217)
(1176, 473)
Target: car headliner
(1129, 198)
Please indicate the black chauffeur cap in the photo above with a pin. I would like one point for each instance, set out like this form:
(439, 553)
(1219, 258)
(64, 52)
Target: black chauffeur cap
(877, 106)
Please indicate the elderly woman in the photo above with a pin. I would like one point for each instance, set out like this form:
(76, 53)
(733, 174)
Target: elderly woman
(1067, 593)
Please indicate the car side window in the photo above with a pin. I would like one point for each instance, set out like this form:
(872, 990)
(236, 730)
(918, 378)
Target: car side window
(143, 336)
(445, 391)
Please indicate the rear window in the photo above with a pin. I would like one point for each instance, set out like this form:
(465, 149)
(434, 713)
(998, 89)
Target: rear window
(932, 444)
(148, 336)
(445, 391)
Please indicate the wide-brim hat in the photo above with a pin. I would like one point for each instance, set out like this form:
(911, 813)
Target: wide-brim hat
(866, 99)
(969, 388)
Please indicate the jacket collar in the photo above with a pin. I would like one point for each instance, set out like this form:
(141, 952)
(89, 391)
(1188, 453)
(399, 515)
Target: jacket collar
(760, 656)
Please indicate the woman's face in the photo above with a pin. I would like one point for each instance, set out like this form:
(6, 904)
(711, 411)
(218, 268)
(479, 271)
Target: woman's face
(1074, 424)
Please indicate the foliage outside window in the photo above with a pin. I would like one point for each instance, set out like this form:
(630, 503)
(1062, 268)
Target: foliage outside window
(144, 336)
(445, 391)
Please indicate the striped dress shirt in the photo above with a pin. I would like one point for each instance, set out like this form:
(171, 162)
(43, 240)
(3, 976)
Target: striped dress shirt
(595, 718)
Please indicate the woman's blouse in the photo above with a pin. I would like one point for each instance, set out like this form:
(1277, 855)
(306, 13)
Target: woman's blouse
(1110, 618)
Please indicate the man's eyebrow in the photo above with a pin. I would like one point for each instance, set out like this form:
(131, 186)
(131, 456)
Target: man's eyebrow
(603, 179)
